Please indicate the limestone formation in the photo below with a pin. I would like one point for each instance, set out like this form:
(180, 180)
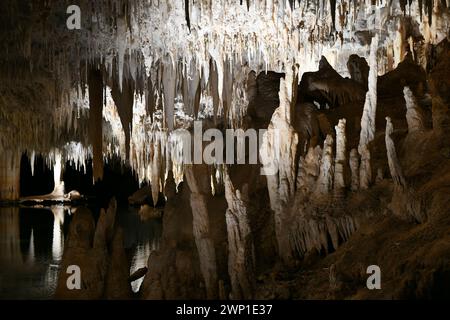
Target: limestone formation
(115, 105)
(147, 212)
(394, 164)
(197, 178)
(278, 153)
(324, 182)
(341, 157)
(241, 256)
(104, 273)
(368, 118)
(414, 116)
(95, 121)
(308, 170)
(354, 167)
(365, 168)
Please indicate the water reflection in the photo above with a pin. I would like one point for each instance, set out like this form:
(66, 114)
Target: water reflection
(32, 246)
(141, 238)
(58, 238)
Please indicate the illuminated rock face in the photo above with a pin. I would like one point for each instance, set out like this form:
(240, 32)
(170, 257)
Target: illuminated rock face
(241, 254)
(171, 58)
(132, 81)
(368, 118)
(198, 180)
(278, 154)
(340, 166)
(413, 114)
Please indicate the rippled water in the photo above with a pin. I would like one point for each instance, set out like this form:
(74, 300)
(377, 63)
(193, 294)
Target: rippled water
(32, 244)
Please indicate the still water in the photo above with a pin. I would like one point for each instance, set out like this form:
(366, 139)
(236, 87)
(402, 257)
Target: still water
(32, 245)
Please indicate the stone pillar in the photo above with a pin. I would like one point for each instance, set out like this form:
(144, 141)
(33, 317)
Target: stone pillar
(95, 81)
(340, 163)
(278, 154)
(394, 163)
(241, 256)
(197, 177)
(368, 118)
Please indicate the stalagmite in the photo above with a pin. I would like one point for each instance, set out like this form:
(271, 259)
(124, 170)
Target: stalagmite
(309, 169)
(394, 164)
(198, 180)
(324, 182)
(341, 159)
(241, 259)
(169, 79)
(58, 184)
(156, 159)
(278, 152)
(354, 167)
(365, 168)
(96, 121)
(368, 118)
(414, 116)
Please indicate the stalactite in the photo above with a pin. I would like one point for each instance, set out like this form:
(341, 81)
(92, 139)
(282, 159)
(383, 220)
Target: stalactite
(333, 12)
(95, 81)
(192, 100)
(169, 82)
(124, 100)
(214, 87)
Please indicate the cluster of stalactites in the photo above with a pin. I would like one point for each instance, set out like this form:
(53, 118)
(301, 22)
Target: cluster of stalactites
(201, 51)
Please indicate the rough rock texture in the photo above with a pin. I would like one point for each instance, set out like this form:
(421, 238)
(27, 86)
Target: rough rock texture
(174, 270)
(394, 164)
(340, 165)
(198, 178)
(368, 118)
(354, 167)
(324, 183)
(241, 252)
(413, 114)
(132, 81)
(278, 154)
(99, 252)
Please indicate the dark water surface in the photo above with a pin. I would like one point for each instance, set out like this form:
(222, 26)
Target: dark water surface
(32, 244)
